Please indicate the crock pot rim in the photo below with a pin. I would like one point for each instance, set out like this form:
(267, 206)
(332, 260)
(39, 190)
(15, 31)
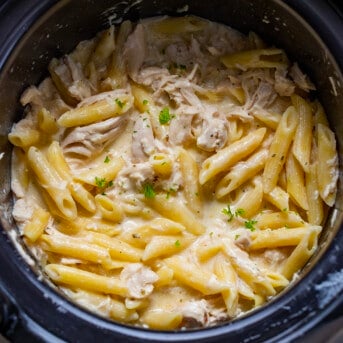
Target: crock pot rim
(54, 299)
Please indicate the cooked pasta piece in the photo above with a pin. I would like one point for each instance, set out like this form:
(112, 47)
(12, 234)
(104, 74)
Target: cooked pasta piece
(279, 148)
(303, 136)
(82, 279)
(261, 58)
(230, 155)
(327, 165)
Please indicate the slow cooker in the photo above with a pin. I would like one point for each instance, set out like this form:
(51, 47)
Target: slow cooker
(32, 32)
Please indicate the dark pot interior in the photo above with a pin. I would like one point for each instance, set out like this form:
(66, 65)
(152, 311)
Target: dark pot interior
(33, 32)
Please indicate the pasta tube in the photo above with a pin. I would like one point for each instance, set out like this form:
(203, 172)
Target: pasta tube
(279, 148)
(230, 155)
(52, 183)
(303, 135)
(82, 279)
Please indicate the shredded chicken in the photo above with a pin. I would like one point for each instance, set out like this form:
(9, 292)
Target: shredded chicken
(139, 280)
(283, 85)
(301, 79)
(143, 144)
(69, 78)
(135, 51)
(243, 239)
(89, 141)
(180, 130)
(22, 210)
(197, 313)
(214, 134)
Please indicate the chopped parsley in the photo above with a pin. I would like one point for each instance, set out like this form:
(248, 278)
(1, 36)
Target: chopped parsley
(249, 224)
(211, 233)
(145, 102)
(164, 116)
(177, 244)
(100, 182)
(119, 103)
(287, 226)
(148, 191)
(227, 211)
(107, 159)
(239, 212)
(236, 236)
(284, 209)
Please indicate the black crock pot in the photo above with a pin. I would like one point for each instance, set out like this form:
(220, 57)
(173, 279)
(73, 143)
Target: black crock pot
(34, 31)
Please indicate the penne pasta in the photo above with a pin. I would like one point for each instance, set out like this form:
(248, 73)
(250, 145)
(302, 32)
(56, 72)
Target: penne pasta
(176, 211)
(190, 175)
(52, 183)
(241, 173)
(279, 149)
(302, 252)
(95, 112)
(279, 198)
(327, 166)
(230, 155)
(37, 224)
(296, 182)
(82, 279)
(277, 238)
(259, 58)
(194, 277)
(303, 135)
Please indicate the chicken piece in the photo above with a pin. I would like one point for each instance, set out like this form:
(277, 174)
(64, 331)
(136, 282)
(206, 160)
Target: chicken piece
(180, 129)
(200, 313)
(214, 134)
(139, 280)
(283, 86)
(275, 256)
(300, 79)
(137, 174)
(22, 210)
(88, 141)
(143, 142)
(69, 79)
(47, 96)
(135, 50)
(243, 239)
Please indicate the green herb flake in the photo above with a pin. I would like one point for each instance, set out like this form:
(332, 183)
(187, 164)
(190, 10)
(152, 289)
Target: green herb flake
(164, 116)
(237, 236)
(100, 182)
(148, 191)
(110, 183)
(211, 233)
(227, 211)
(239, 212)
(145, 102)
(285, 209)
(249, 224)
(177, 244)
(107, 159)
(196, 194)
(287, 227)
(119, 103)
